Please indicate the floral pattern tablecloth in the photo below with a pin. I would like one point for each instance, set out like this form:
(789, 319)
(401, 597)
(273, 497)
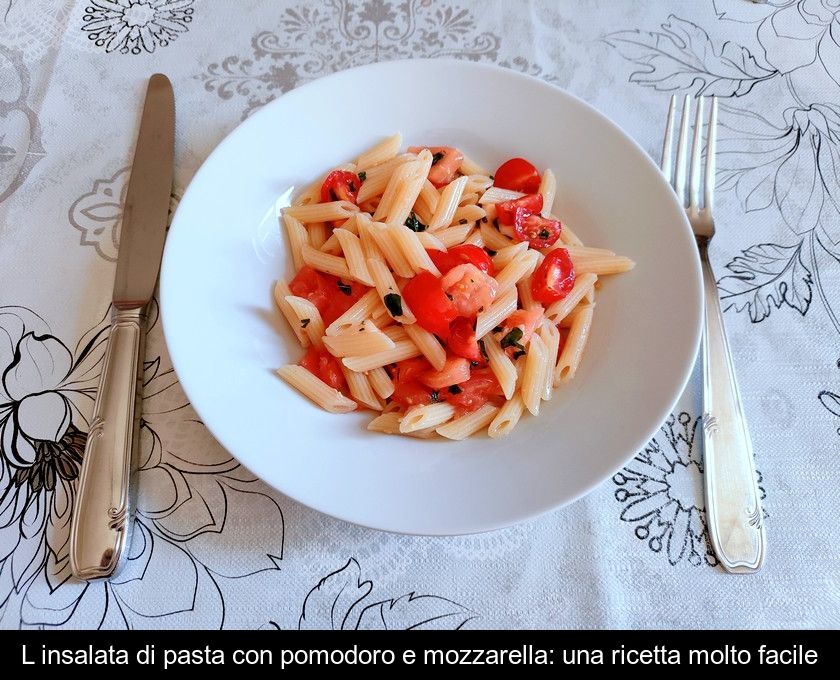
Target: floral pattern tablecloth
(214, 547)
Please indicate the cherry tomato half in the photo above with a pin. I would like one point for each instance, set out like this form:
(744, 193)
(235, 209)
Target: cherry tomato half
(462, 340)
(325, 366)
(463, 254)
(473, 394)
(554, 278)
(446, 161)
(455, 370)
(425, 297)
(517, 174)
(331, 295)
(508, 211)
(408, 390)
(340, 185)
(538, 231)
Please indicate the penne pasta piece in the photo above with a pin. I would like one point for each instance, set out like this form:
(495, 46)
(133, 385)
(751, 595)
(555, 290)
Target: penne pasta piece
(521, 266)
(395, 183)
(468, 424)
(475, 239)
(526, 295)
(497, 195)
(396, 332)
(429, 197)
(280, 291)
(408, 192)
(573, 349)
(359, 340)
(380, 152)
(557, 311)
(316, 390)
(468, 199)
(504, 256)
(360, 389)
(548, 189)
(570, 317)
(331, 245)
(477, 183)
(604, 265)
(368, 240)
(589, 298)
(309, 319)
(324, 262)
(354, 256)
(493, 238)
(581, 251)
(430, 241)
(551, 337)
(454, 236)
(470, 167)
(376, 178)
(422, 213)
(381, 382)
(385, 285)
(363, 308)
(448, 204)
(425, 416)
(412, 249)
(501, 365)
(468, 213)
(428, 345)
(533, 377)
(380, 315)
(322, 212)
(569, 237)
(317, 234)
(503, 306)
(391, 249)
(388, 423)
(298, 236)
(507, 417)
(403, 349)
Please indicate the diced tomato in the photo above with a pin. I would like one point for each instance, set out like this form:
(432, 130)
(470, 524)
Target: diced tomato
(462, 340)
(343, 295)
(508, 211)
(464, 254)
(410, 369)
(554, 278)
(408, 390)
(538, 231)
(331, 295)
(473, 394)
(340, 185)
(426, 299)
(517, 174)
(470, 289)
(524, 319)
(446, 161)
(325, 366)
(455, 370)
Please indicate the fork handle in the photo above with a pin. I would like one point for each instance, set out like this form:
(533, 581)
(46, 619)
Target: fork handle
(733, 505)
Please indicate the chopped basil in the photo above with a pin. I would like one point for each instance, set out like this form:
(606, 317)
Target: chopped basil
(387, 400)
(437, 157)
(414, 224)
(435, 397)
(484, 219)
(474, 363)
(394, 304)
(497, 329)
(462, 221)
(483, 350)
(344, 287)
(449, 296)
(519, 353)
(491, 177)
(481, 309)
(512, 339)
(544, 233)
(490, 252)
(304, 323)
(454, 389)
(362, 176)
(495, 223)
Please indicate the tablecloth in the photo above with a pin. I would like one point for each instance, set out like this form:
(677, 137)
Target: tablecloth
(215, 547)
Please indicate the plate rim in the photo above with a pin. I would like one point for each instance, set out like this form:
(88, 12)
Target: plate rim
(697, 304)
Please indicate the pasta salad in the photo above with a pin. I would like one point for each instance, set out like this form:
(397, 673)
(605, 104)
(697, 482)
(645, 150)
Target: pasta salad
(445, 299)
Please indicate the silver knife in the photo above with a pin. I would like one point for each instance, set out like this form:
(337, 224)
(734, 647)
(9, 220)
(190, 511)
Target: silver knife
(100, 533)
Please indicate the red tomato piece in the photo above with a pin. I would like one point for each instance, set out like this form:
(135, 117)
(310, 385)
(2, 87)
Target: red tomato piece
(538, 231)
(464, 254)
(508, 211)
(524, 319)
(462, 340)
(425, 297)
(411, 369)
(554, 278)
(312, 285)
(517, 174)
(340, 185)
(446, 161)
(411, 393)
(342, 296)
(473, 394)
(325, 366)
(455, 370)
(470, 289)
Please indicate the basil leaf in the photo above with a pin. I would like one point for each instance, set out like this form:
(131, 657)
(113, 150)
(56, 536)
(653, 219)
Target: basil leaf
(435, 396)
(393, 302)
(512, 339)
(436, 157)
(304, 323)
(414, 224)
(454, 389)
(362, 176)
(483, 350)
(544, 233)
(344, 287)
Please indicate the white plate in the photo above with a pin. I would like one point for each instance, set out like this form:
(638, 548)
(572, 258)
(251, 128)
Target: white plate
(225, 338)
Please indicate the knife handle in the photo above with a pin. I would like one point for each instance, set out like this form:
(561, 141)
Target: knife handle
(102, 516)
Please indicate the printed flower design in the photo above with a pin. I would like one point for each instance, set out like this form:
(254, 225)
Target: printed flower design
(831, 401)
(341, 601)
(136, 26)
(316, 39)
(20, 131)
(192, 495)
(661, 489)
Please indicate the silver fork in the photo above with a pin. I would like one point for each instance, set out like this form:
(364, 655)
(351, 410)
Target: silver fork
(733, 506)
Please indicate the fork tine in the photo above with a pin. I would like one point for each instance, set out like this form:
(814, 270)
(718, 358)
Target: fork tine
(667, 143)
(682, 145)
(696, 153)
(711, 149)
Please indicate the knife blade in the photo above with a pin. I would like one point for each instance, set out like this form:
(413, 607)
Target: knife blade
(100, 532)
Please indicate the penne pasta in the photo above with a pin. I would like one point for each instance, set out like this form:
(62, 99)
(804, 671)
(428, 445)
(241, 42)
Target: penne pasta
(603, 265)
(351, 247)
(324, 262)
(360, 389)
(377, 177)
(533, 377)
(368, 240)
(386, 286)
(430, 241)
(381, 382)
(322, 212)
(380, 152)
(468, 424)
(551, 337)
(387, 423)
(426, 416)
(409, 190)
(493, 238)
(412, 249)
(557, 311)
(548, 189)
(497, 195)
(477, 183)
(317, 234)
(448, 204)
(453, 235)
(359, 340)
(470, 167)
(526, 295)
(507, 417)
(475, 239)
(363, 308)
(468, 213)
(428, 345)
(328, 398)
(569, 237)
(569, 360)
(396, 332)
(570, 317)
(503, 306)
(298, 237)
(503, 256)
(395, 183)
(521, 266)
(391, 249)
(309, 319)
(403, 349)
(280, 291)
(501, 365)
(429, 197)
(331, 245)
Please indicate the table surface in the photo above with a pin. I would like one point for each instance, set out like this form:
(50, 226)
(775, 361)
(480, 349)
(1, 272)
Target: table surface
(215, 547)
